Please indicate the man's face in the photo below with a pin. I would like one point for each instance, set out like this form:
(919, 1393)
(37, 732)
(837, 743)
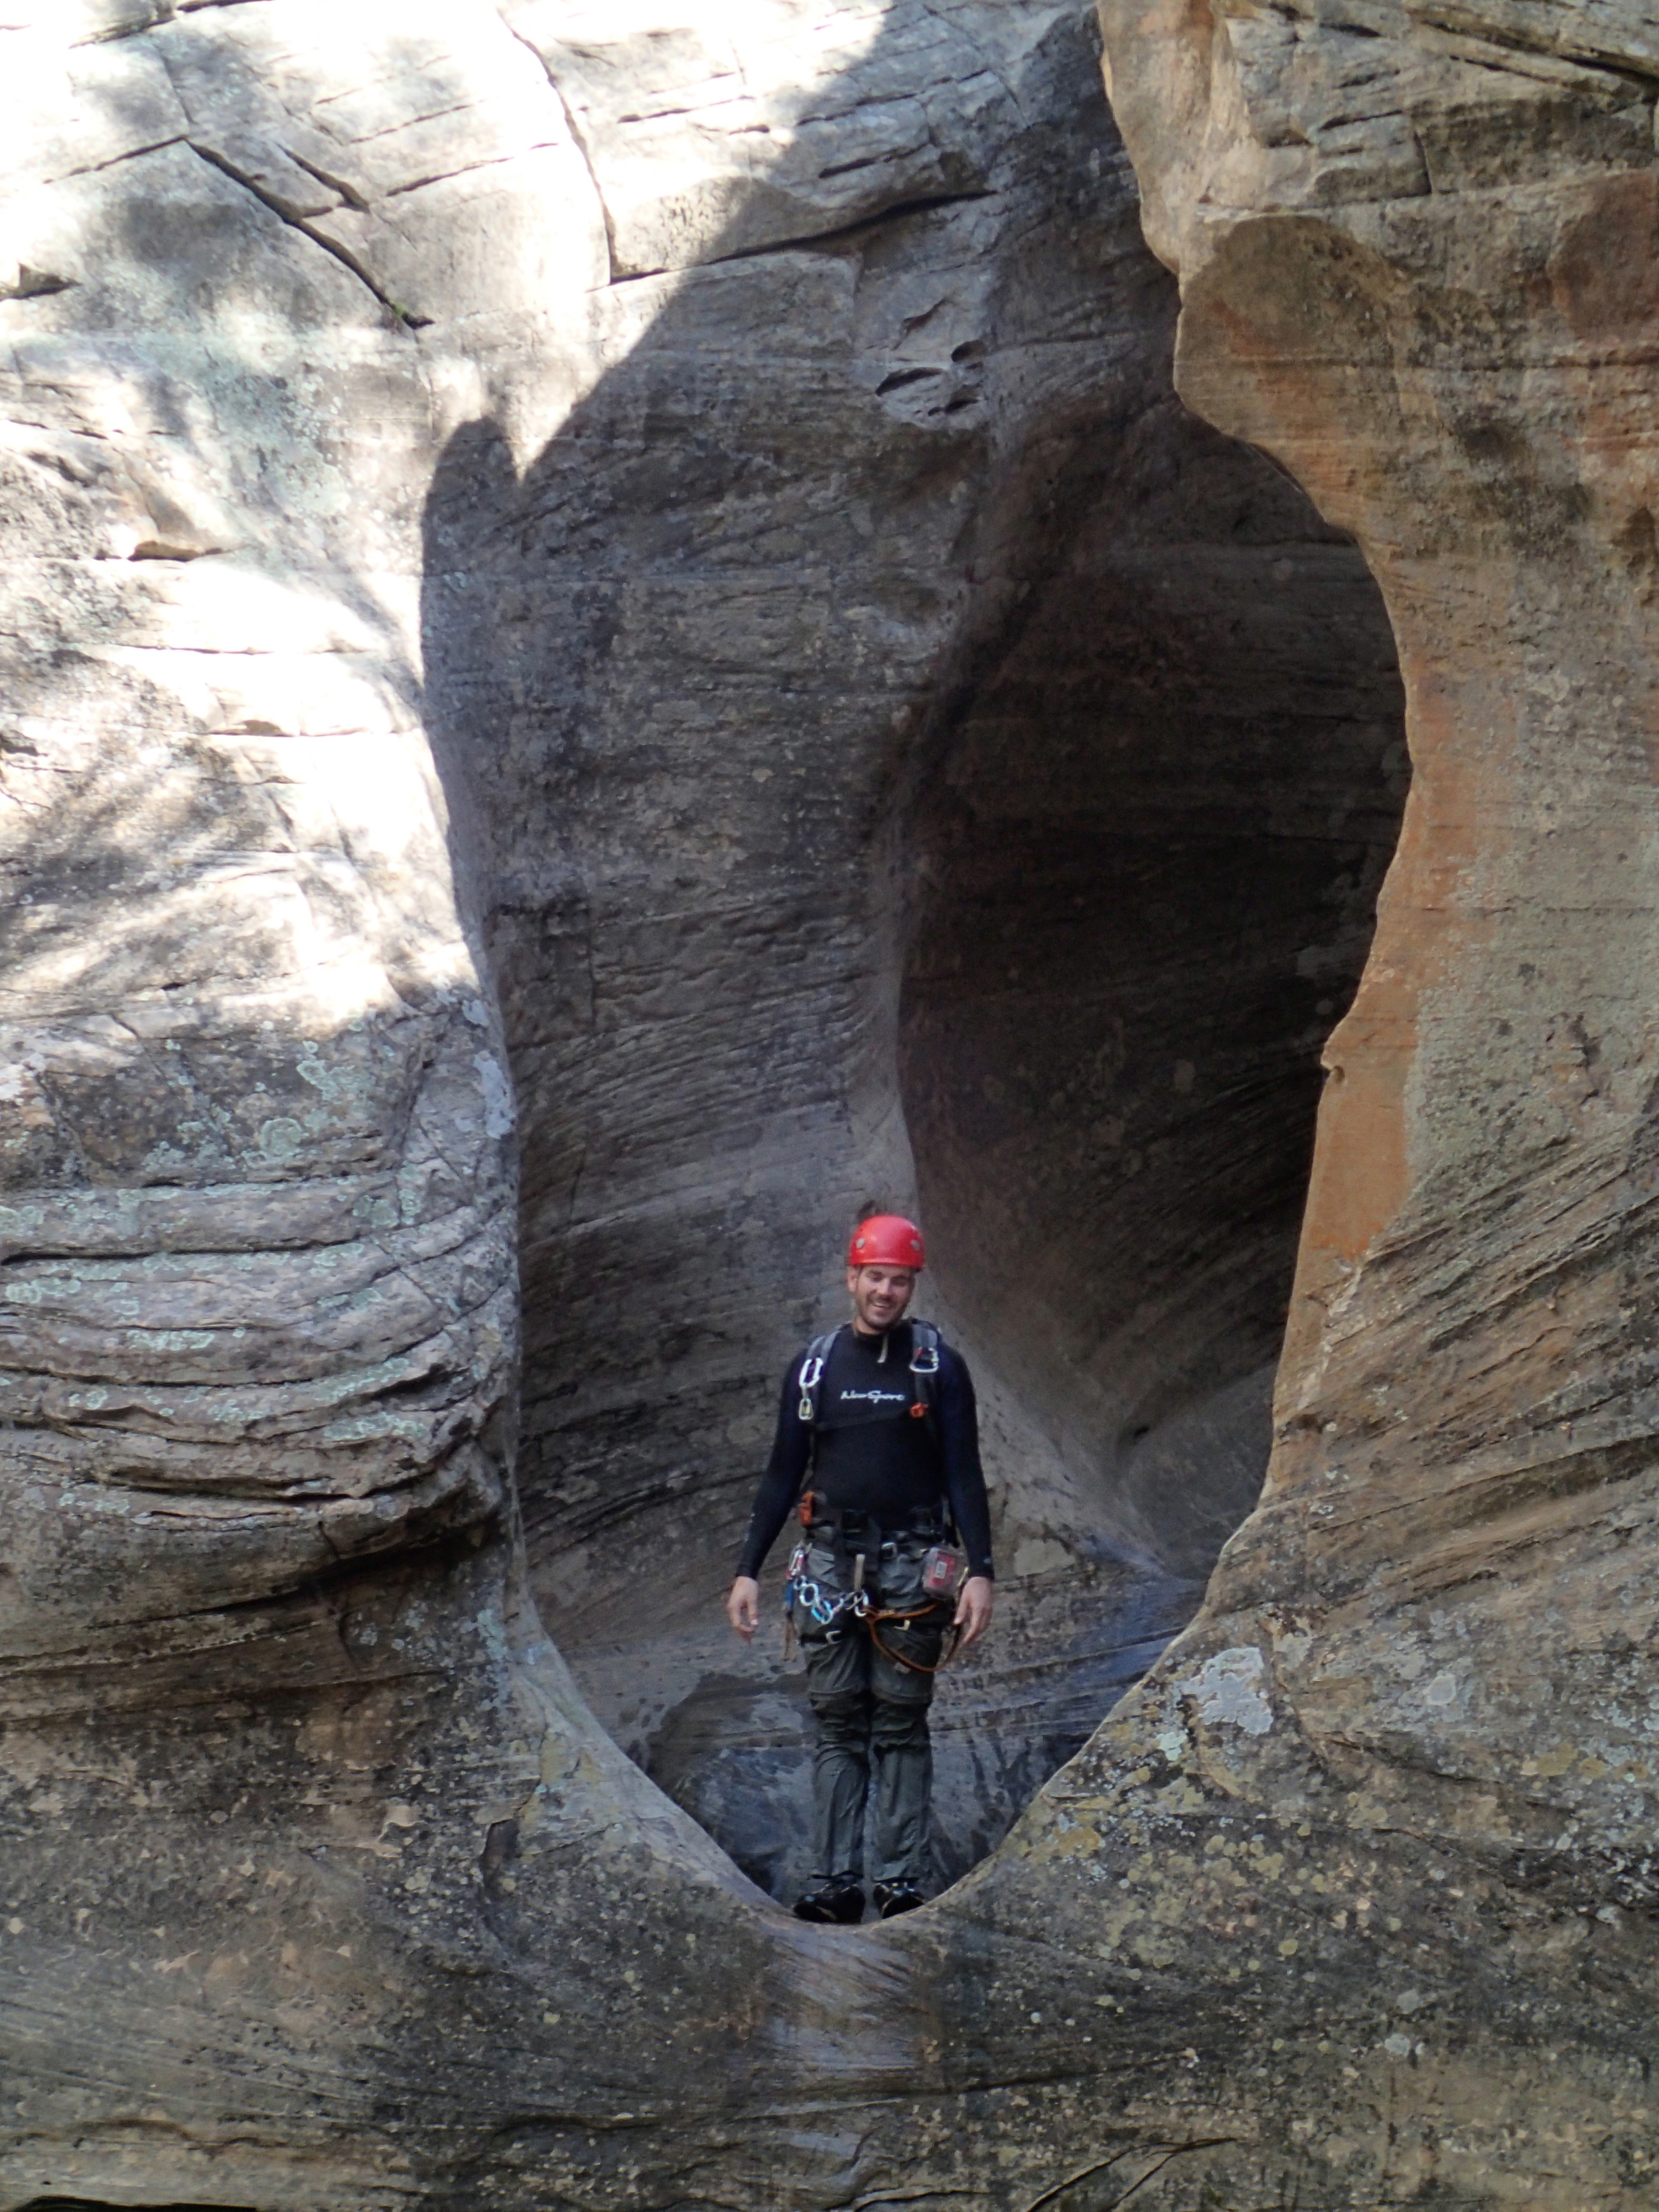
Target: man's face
(880, 1296)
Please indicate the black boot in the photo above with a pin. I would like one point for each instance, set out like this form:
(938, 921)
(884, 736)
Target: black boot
(840, 1900)
(893, 1898)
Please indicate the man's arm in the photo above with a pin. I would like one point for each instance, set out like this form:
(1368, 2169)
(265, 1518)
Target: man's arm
(743, 1606)
(974, 1609)
(780, 1486)
(965, 1478)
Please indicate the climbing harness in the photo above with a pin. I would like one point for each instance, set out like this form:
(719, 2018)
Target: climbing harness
(924, 1366)
(826, 1608)
(800, 1589)
(915, 1666)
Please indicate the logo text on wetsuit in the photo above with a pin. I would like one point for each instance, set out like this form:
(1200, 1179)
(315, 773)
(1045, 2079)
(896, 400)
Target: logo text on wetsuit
(874, 1398)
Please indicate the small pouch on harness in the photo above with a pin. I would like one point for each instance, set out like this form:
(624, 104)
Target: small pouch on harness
(942, 1571)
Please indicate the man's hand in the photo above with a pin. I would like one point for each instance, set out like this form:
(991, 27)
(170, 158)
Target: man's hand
(974, 1609)
(743, 1606)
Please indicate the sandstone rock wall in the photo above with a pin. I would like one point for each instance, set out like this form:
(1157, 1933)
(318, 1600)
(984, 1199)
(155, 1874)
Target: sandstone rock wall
(1414, 261)
(634, 556)
(754, 667)
(262, 1709)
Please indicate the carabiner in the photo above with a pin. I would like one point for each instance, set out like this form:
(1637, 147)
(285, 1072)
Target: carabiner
(810, 1372)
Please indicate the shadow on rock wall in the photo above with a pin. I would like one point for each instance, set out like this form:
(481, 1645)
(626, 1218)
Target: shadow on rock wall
(880, 672)
(320, 1887)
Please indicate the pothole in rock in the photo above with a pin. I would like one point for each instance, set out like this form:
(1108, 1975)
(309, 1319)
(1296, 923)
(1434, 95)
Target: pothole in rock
(884, 729)
(1138, 867)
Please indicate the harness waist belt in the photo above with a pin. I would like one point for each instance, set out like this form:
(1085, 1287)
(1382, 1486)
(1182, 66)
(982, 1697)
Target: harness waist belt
(858, 1530)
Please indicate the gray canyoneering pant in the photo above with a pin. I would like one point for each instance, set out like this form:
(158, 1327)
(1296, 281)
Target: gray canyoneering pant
(872, 1708)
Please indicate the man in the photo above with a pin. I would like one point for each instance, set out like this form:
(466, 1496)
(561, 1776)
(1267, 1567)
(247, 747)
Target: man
(878, 1443)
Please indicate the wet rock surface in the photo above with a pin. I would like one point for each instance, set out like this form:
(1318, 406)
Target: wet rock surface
(643, 574)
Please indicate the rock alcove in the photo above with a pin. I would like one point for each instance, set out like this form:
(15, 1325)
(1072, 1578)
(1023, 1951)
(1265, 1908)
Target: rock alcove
(902, 750)
(739, 447)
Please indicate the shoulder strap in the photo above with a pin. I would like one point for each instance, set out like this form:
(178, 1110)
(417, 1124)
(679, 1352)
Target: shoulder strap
(924, 1368)
(812, 1374)
(924, 1365)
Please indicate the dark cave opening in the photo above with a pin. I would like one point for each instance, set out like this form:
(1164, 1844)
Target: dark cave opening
(1145, 861)
(1130, 850)
(1142, 861)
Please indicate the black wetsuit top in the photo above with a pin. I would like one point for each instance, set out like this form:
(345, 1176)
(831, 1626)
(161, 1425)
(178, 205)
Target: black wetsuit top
(870, 1456)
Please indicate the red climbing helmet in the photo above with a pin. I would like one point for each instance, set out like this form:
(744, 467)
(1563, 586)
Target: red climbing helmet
(886, 1240)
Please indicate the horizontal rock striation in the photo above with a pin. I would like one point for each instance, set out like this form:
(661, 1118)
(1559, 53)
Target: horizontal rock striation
(1411, 246)
(643, 574)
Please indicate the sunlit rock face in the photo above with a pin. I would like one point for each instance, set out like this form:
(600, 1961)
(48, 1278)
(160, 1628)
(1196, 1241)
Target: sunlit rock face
(642, 571)
(268, 1686)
